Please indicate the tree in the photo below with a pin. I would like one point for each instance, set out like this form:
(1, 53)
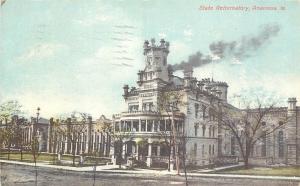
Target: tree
(72, 128)
(9, 109)
(8, 137)
(247, 125)
(169, 103)
(119, 139)
(35, 154)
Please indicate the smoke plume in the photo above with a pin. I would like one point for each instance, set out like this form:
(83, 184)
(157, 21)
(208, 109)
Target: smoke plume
(240, 49)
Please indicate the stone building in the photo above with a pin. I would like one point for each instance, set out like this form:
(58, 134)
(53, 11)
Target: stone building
(80, 137)
(23, 132)
(282, 145)
(145, 123)
(145, 127)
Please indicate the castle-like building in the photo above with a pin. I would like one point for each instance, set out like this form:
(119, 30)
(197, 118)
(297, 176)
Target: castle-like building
(145, 124)
(167, 117)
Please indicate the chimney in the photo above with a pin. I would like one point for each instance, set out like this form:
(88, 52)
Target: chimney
(292, 103)
(188, 72)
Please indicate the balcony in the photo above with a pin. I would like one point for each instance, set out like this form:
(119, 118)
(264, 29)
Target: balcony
(139, 113)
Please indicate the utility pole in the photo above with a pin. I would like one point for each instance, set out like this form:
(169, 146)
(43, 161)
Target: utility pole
(175, 142)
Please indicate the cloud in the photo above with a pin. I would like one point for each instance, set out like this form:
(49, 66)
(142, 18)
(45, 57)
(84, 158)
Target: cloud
(188, 33)
(41, 51)
(236, 61)
(178, 51)
(162, 35)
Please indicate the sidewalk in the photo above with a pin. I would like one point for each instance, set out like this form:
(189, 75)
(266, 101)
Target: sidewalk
(114, 169)
(219, 168)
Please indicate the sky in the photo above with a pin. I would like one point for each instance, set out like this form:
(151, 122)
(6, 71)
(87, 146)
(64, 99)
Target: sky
(66, 55)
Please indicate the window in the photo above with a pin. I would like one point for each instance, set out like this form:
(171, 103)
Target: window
(143, 125)
(128, 125)
(211, 115)
(162, 126)
(280, 144)
(203, 130)
(213, 149)
(263, 144)
(203, 111)
(155, 125)
(149, 125)
(148, 106)
(149, 60)
(209, 149)
(195, 149)
(136, 126)
(123, 126)
(196, 110)
(203, 150)
(209, 131)
(133, 108)
(165, 61)
(196, 129)
(213, 130)
(232, 145)
(117, 127)
(168, 125)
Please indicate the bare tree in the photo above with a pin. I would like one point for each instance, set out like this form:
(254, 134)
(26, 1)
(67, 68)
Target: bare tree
(73, 128)
(105, 127)
(248, 126)
(8, 135)
(168, 142)
(118, 140)
(169, 103)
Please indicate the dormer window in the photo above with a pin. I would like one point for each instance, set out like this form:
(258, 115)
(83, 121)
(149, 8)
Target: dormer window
(149, 60)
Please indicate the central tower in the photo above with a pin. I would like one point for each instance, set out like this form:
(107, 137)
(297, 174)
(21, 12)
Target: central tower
(156, 65)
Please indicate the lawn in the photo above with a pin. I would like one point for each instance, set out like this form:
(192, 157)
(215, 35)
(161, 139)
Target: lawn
(265, 171)
(52, 158)
(27, 157)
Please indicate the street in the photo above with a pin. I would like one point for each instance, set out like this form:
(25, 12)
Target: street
(24, 175)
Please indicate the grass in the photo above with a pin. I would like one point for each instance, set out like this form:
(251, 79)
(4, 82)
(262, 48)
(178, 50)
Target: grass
(51, 158)
(27, 157)
(265, 171)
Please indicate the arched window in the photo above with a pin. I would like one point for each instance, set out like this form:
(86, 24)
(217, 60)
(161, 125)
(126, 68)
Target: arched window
(232, 145)
(280, 144)
(263, 144)
(203, 130)
(196, 129)
(203, 111)
(195, 149)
